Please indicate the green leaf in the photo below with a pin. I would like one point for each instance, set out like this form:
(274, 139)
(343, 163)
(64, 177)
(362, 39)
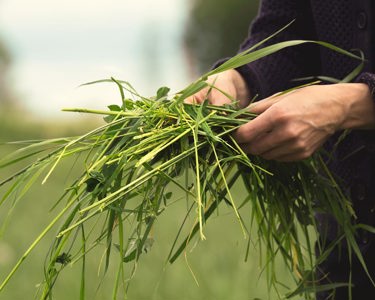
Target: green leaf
(130, 256)
(162, 92)
(91, 183)
(191, 90)
(114, 107)
(243, 59)
(109, 119)
(317, 288)
(97, 175)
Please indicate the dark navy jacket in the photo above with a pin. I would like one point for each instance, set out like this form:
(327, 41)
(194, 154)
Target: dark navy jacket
(348, 24)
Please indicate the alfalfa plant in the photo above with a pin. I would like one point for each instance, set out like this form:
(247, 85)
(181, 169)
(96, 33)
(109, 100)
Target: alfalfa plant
(149, 144)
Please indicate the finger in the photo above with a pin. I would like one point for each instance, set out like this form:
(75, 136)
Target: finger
(192, 100)
(264, 143)
(261, 106)
(219, 99)
(284, 155)
(248, 132)
(274, 140)
(214, 97)
(281, 151)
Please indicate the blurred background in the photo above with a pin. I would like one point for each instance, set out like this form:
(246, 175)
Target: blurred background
(47, 49)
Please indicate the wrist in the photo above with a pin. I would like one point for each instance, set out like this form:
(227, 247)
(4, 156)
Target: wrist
(360, 107)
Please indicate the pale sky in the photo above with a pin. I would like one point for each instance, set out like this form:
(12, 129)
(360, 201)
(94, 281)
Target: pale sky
(58, 45)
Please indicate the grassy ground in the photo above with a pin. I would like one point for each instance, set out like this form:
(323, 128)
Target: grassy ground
(217, 263)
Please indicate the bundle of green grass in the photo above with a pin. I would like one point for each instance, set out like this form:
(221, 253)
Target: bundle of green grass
(148, 145)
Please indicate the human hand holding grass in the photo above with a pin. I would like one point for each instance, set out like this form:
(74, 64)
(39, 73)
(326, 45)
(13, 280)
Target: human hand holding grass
(222, 89)
(292, 126)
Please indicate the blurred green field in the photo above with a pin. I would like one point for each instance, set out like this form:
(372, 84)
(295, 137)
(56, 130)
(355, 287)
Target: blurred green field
(217, 263)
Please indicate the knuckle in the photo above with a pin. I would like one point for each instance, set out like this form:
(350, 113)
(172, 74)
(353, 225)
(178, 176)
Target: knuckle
(301, 145)
(292, 133)
(280, 114)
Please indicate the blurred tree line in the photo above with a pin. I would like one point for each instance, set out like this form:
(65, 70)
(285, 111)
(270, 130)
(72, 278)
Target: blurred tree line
(7, 98)
(15, 121)
(215, 29)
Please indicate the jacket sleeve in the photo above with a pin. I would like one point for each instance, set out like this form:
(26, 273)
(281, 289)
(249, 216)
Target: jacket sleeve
(369, 79)
(275, 73)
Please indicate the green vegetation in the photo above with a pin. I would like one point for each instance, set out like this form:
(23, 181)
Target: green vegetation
(220, 270)
(150, 155)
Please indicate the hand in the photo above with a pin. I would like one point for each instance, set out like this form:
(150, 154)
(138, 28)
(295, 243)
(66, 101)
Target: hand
(293, 126)
(230, 82)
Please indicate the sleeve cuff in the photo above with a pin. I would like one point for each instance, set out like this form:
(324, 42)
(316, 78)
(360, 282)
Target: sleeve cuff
(369, 79)
(369, 136)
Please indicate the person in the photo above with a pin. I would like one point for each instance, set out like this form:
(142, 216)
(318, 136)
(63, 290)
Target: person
(292, 126)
